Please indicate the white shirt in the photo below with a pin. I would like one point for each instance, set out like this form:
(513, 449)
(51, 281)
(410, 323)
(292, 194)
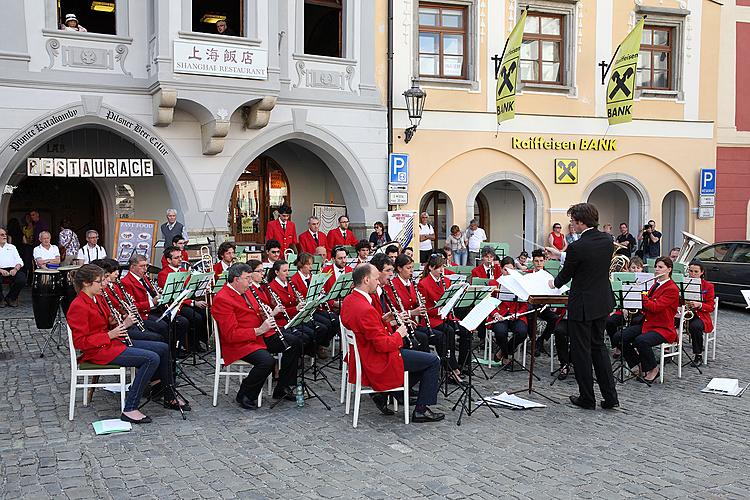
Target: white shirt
(9, 256)
(88, 253)
(426, 230)
(46, 253)
(366, 295)
(476, 239)
(338, 272)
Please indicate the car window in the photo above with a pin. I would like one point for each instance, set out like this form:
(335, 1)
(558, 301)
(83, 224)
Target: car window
(714, 253)
(741, 254)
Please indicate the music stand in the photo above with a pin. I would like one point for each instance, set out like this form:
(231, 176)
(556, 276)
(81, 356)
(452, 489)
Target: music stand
(506, 295)
(627, 293)
(469, 297)
(444, 305)
(201, 284)
(539, 300)
(690, 290)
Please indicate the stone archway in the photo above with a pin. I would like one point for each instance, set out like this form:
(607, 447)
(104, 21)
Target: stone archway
(638, 200)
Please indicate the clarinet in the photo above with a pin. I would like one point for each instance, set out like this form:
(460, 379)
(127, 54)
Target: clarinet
(420, 301)
(118, 318)
(300, 299)
(276, 299)
(268, 314)
(130, 305)
(409, 329)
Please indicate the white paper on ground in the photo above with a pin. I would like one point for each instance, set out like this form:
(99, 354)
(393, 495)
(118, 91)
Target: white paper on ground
(479, 313)
(728, 386)
(510, 401)
(110, 426)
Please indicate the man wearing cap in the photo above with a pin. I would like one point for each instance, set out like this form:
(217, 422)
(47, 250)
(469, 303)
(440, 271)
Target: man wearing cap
(71, 24)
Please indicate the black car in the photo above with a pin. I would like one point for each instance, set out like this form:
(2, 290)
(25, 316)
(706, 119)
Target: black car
(728, 268)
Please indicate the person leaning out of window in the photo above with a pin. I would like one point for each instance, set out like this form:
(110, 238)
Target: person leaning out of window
(71, 24)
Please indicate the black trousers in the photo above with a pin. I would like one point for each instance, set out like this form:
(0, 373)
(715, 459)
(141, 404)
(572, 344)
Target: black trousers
(421, 341)
(587, 348)
(696, 329)
(451, 330)
(562, 342)
(508, 346)
(162, 327)
(17, 283)
(424, 255)
(329, 324)
(136, 334)
(550, 319)
(423, 368)
(263, 362)
(615, 321)
(197, 328)
(435, 338)
(637, 346)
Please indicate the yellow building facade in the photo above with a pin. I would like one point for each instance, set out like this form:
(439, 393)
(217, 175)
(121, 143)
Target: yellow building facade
(520, 177)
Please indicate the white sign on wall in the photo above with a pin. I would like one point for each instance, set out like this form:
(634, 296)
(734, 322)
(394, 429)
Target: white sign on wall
(89, 167)
(220, 59)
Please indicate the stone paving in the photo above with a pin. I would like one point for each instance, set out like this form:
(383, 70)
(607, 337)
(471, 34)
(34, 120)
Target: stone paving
(667, 441)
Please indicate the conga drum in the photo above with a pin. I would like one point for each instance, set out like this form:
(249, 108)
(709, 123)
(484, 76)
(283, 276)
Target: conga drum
(68, 289)
(45, 297)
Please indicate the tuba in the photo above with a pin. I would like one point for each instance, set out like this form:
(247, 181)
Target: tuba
(619, 263)
(690, 243)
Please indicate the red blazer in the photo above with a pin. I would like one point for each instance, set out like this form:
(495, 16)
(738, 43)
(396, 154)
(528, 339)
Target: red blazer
(335, 239)
(660, 310)
(89, 322)
(704, 313)
(218, 270)
(184, 258)
(299, 283)
(379, 351)
(286, 238)
(508, 307)
(135, 288)
(479, 272)
(329, 269)
(161, 279)
(307, 243)
(408, 297)
(432, 291)
(288, 300)
(237, 324)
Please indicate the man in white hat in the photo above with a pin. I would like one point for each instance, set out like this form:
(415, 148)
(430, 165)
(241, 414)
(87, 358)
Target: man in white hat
(71, 23)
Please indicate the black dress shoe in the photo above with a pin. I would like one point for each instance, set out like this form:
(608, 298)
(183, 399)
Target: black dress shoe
(697, 361)
(563, 373)
(246, 402)
(610, 405)
(426, 416)
(284, 393)
(576, 400)
(381, 401)
(144, 420)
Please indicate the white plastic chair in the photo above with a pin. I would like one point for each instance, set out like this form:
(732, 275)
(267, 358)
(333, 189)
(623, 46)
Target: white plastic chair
(351, 340)
(344, 365)
(86, 370)
(674, 349)
(489, 355)
(227, 373)
(710, 337)
(552, 355)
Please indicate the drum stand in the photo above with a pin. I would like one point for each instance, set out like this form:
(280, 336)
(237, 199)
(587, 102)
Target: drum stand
(56, 333)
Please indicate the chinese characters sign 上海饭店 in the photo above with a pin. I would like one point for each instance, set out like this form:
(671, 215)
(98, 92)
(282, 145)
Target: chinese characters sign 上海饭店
(220, 59)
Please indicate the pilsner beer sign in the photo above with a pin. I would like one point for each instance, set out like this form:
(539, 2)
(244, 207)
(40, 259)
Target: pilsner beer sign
(89, 167)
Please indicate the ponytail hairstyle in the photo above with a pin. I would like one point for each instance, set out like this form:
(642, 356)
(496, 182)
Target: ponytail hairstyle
(436, 260)
(274, 271)
(87, 273)
(303, 259)
(402, 260)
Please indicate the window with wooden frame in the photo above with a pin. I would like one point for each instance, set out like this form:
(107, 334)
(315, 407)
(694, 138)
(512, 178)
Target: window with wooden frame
(542, 50)
(442, 40)
(324, 27)
(655, 59)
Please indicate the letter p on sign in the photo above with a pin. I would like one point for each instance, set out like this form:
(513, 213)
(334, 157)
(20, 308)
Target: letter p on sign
(708, 181)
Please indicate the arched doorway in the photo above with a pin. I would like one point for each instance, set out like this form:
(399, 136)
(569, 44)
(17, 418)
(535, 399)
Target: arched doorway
(505, 209)
(440, 210)
(259, 192)
(617, 201)
(674, 220)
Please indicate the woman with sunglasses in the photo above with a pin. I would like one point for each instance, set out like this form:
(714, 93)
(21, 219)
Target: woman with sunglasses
(90, 322)
(556, 238)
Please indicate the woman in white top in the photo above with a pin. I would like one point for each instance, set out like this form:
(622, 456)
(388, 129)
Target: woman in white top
(46, 255)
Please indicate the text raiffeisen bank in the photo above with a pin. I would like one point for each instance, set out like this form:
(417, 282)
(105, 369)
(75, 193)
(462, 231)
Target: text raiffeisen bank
(552, 144)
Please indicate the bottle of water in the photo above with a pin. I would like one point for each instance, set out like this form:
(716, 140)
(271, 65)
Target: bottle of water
(300, 396)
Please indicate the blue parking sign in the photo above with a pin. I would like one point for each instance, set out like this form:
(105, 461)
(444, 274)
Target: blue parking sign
(398, 168)
(708, 181)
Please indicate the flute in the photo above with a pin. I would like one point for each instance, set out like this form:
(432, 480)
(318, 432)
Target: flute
(268, 313)
(512, 316)
(655, 276)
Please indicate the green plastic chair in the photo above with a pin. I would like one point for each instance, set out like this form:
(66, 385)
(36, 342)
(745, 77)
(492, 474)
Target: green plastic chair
(480, 281)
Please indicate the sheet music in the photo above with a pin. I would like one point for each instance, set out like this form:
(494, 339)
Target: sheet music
(631, 296)
(448, 307)
(523, 285)
(479, 313)
(692, 289)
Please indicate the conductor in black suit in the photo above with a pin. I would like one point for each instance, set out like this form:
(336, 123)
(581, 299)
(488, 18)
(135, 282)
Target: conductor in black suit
(586, 262)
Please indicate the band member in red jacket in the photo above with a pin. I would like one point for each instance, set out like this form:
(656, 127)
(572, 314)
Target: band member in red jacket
(363, 252)
(701, 322)
(382, 358)
(283, 230)
(432, 286)
(338, 268)
(247, 334)
(146, 298)
(90, 323)
(517, 326)
(226, 253)
(549, 316)
(660, 306)
(313, 237)
(179, 242)
(617, 319)
(488, 268)
(324, 320)
(193, 310)
(342, 235)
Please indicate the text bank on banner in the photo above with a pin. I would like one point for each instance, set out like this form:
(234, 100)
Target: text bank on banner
(621, 87)
(507, 78)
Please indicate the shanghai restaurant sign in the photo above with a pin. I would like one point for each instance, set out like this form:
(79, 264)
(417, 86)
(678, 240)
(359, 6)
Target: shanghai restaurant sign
(89, 167)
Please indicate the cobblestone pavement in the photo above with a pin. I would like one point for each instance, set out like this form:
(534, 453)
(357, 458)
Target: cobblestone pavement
(667, 441)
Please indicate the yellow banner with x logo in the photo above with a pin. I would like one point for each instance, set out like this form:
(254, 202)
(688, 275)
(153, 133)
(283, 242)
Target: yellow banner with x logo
(622, 78)
(507, 78)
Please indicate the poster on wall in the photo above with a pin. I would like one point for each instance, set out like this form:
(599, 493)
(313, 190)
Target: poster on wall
(134, 236)
(124, 201)
(401, 226)
(328, 215)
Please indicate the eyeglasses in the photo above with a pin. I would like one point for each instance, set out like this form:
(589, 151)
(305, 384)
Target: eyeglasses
(274, 251)
(3, 235)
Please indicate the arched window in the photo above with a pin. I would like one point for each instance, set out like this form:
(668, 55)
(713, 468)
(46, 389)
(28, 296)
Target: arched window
(256, 197)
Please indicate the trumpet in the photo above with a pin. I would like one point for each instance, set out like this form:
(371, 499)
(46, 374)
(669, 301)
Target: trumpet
(117, 316)
(129, 304)
(268, 314)
(513, 316)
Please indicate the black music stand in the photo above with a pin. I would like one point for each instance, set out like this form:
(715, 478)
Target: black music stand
(469, 297)
(538, 300)
(621, 296)
(340, 289)
(451, 295)
(690, 289)
(201, 283)
(55, 334)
